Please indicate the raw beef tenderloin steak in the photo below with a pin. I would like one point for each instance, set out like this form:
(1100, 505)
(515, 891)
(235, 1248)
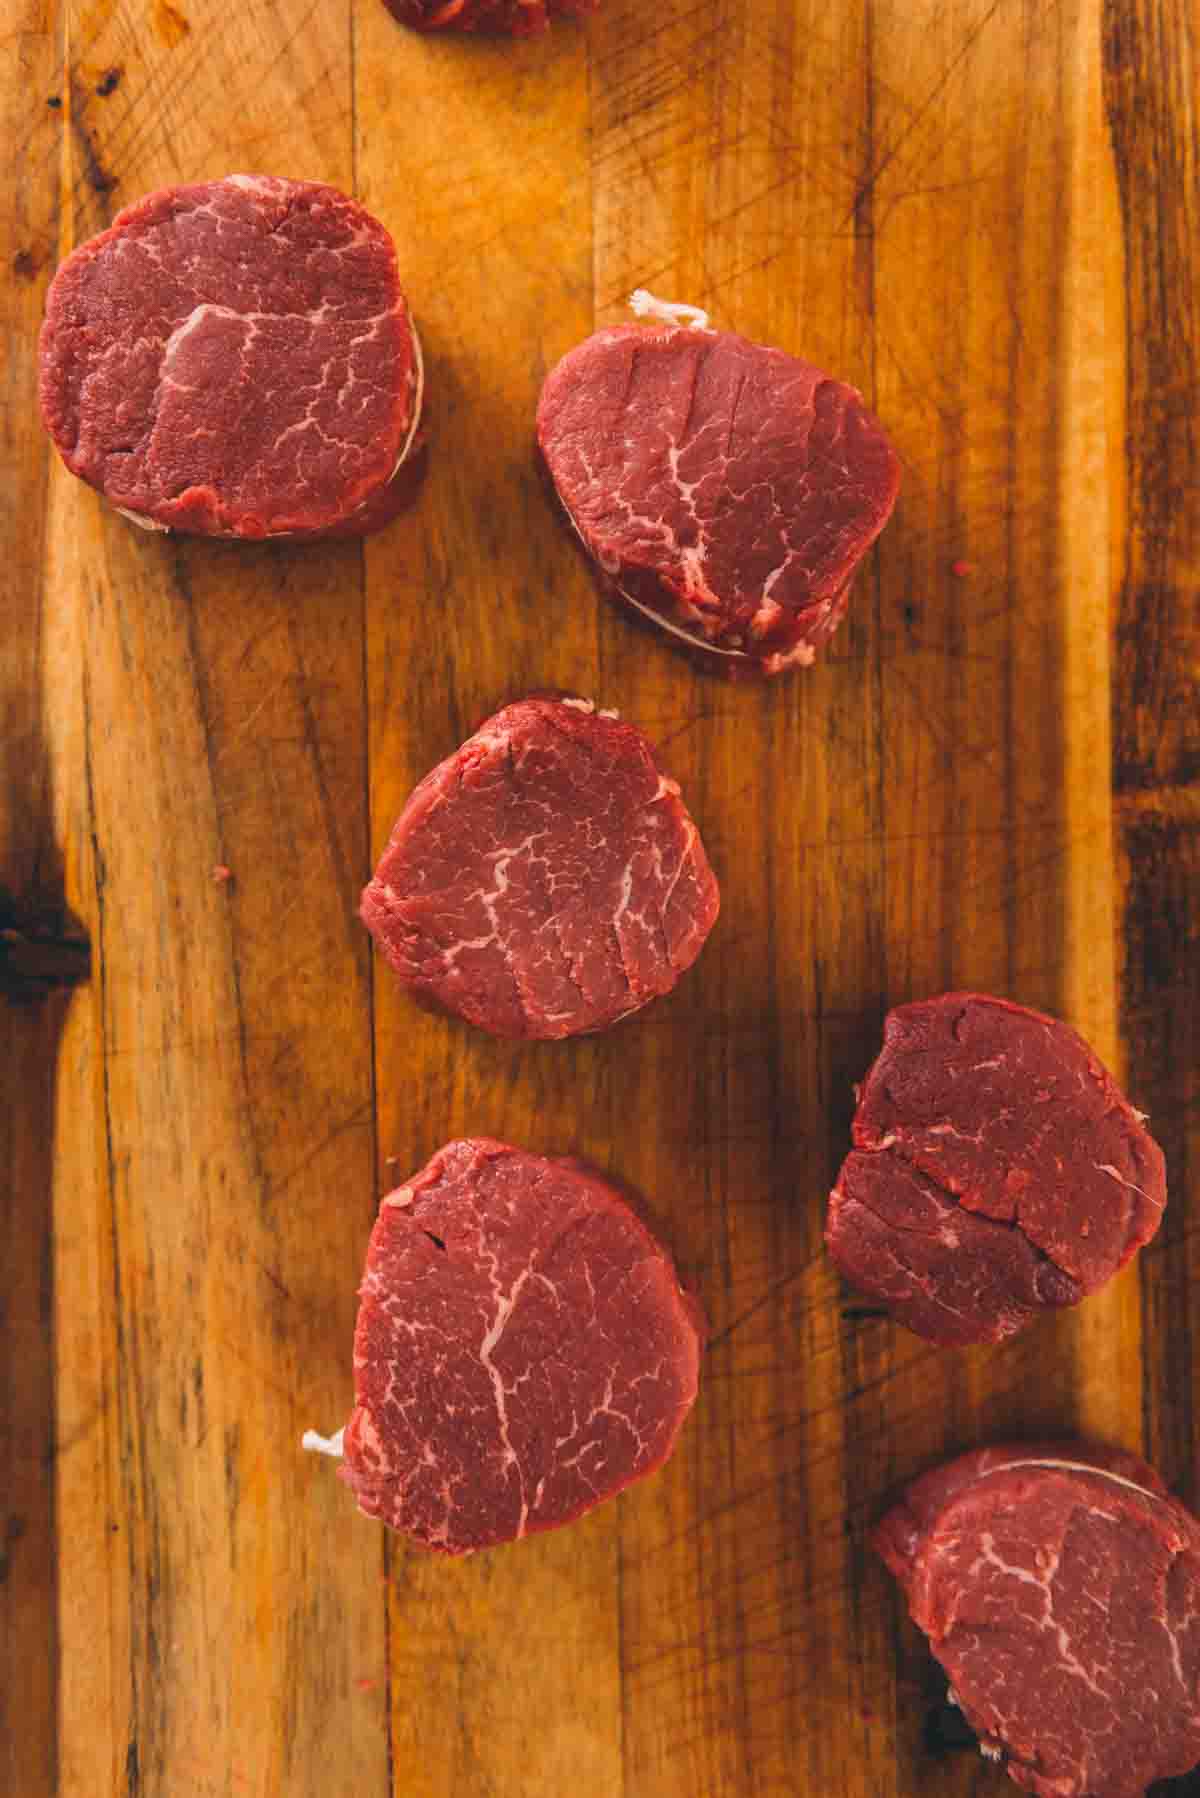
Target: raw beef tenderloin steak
(235, 359)
(546, 879)
(495, 18)
(726, 490)
(1059, 1588)
(997, 1170)
(524, 1350)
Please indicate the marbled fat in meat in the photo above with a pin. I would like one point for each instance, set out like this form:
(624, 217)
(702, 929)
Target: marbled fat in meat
(725, 488)
(546, 879)
(997, 1170)
(1059, 1587)
(524, 1350)
(235, 358)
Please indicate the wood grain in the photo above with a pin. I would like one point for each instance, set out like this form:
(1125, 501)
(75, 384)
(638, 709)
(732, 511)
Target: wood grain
(474, 599)
(1151, 68)
(29, 871)
(981, 211)
(906, 824)
(218, 1629)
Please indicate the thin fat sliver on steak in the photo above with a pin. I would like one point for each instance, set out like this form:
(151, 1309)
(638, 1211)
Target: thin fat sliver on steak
(524, 1350)
(546, 879)
(724, 488)
(236, 358)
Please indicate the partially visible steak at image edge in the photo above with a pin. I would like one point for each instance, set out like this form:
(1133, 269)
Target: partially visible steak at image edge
(1059, 1588)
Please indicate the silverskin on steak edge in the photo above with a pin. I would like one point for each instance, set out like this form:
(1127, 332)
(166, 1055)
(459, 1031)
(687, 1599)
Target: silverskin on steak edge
(726, 490)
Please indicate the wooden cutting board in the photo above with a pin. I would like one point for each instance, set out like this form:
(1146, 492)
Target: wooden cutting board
(984, 213)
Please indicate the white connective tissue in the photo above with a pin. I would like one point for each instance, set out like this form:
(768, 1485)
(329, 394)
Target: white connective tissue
(670, 311)
(317, 1444)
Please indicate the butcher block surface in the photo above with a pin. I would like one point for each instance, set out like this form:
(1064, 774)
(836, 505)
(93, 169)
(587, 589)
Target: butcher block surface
(984, 214)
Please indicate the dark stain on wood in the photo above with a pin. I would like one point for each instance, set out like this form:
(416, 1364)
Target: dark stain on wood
(98, 177)
(41, 947)
(1160, 1007)
(170, 25)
